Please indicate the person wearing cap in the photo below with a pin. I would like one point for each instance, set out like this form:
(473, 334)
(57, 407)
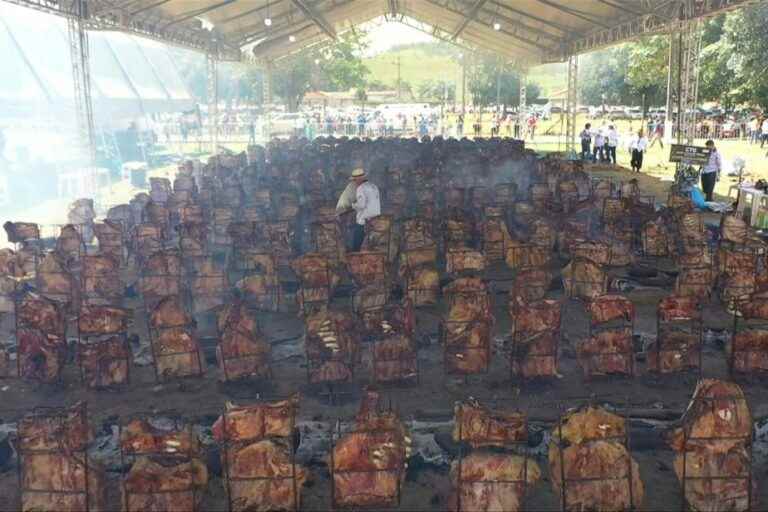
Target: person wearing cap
(363, 197)
(710, 173)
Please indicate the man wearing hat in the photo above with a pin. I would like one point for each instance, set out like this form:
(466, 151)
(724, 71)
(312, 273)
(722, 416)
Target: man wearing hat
(363, 197)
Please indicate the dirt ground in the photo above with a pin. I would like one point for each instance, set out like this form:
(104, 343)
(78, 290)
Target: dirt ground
(652, 401)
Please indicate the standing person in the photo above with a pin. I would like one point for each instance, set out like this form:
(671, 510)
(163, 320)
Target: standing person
(637, 147)
(478, 126)
(754, 130)
(363, 197)
(710, 174)
(508, 124)
(611, 141)
(460, 126)
(532, 125)
(586, 141)
(764, 132)
(598, 154)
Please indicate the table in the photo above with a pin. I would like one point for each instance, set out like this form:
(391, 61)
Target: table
(757, 198)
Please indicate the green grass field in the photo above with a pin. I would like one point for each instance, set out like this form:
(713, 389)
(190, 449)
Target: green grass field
(417, 65)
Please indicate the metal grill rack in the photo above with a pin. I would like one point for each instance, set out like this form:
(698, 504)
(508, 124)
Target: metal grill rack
(585, 289)
(74, 237)
(494, 250)
(454, 353)
(146, 240)
(288, 442)
(326, 237)
(624, 440)
(686, 479)
(528, 256)
(371, 438)
(613, 210)
(407, 360)
(379, 239)
(518, 447)
(129, 456)
(169, 275)
(738, 260)
(207, 283)
(686, 323)
(28, 300)
(66, 299)
(623, 325)
(754, 323)
(315, 298)
(530, 284)
(106, 349)
(225, 360)
(315, 359)
(111, 238)
(92, 282)
(154, 338)
(551, 334)
(75, 455)
(259, 262)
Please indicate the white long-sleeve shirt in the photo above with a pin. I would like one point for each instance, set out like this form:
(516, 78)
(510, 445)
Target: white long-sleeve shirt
(367, 202)
(638, 143)
(715, 163)
(612, 137)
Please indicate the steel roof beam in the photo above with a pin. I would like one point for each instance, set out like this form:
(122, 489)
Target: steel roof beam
(524, 14)
(198, 12)
(622, 7)
(467, 18)
(310, 13)
(523, 26)
(149, 7)
(249, 11)
(573, 12)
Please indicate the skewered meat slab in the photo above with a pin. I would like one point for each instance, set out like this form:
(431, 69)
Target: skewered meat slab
(208, 284)
(178, 353)
(607, 308)
(236, 316)
(530, 285)
(69, 244)
(464, 260)
(674, 351)
(417, 234)
(694, 282)
(49, 462)
(262, 477)
(713, 446)
(368, 464)
(41, 313)
(608, 352)
(332, 345)
(526, 255)
(161, 275)
(242, 355)
(110, 236)
(257, 421)
(734, 229)
(749, 350)
(535, 317)
(140, 436)
(480, 426)
(106, 362)
(422, 285)
(492, 482)
(587, 449)
(367, 267)
(394, 359)
(21, 231)
(584, 279)
(103, 319)
(169, 312)
(160, 484)
(675, 307)
(655, 238)
(54, 279)
(101, 277)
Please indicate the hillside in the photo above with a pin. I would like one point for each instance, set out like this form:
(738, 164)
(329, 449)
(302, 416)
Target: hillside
(437, 61)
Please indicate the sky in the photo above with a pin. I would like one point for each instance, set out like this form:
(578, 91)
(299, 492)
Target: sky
(384, 36)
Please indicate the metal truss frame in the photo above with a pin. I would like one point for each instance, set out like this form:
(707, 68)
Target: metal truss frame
(571, 103)
(267, 98)
(658, 18)
(81, 78)
(212, 77)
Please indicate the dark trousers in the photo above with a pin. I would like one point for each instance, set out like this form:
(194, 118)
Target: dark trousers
(637, 160)
(585, 153)
(358, 233)
(597, 154)
(611, 154)
(708, 181)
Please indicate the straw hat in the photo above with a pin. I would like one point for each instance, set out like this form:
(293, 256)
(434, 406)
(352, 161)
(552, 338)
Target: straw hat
(357, 173)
